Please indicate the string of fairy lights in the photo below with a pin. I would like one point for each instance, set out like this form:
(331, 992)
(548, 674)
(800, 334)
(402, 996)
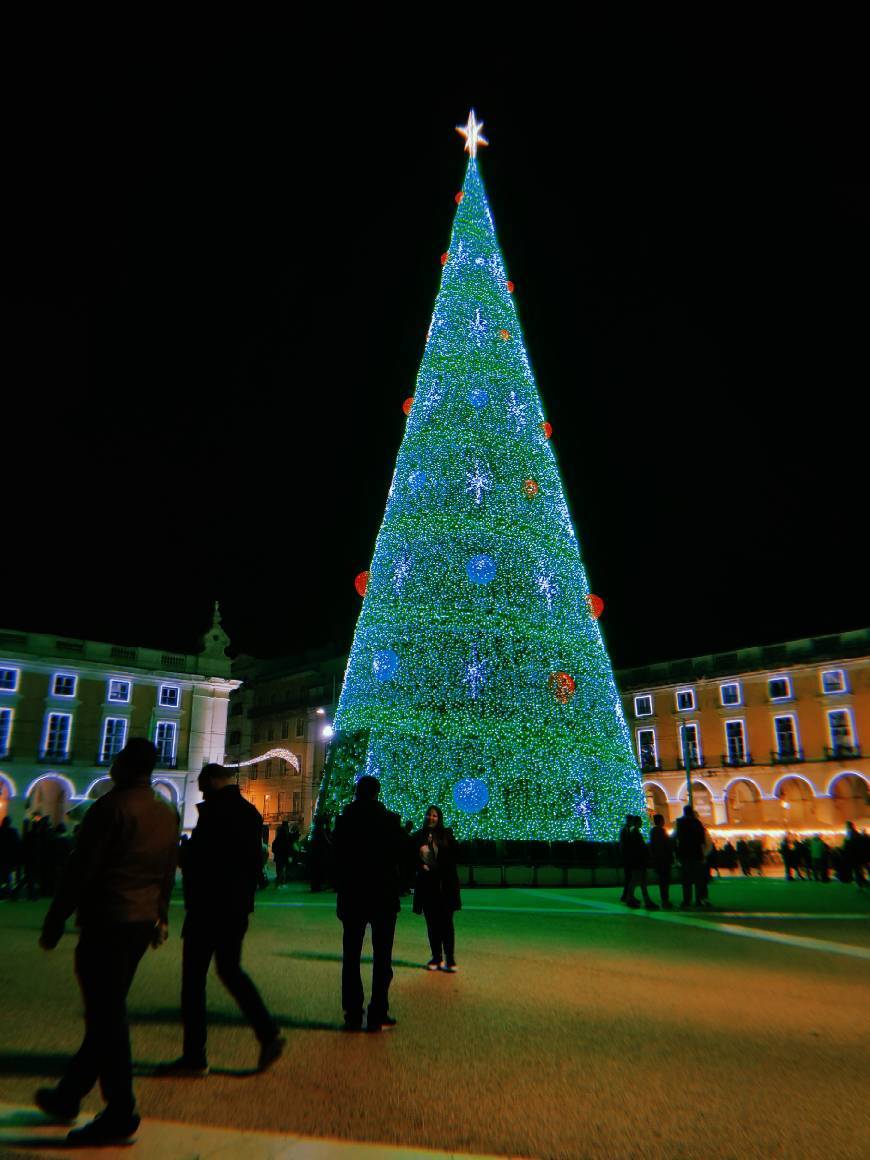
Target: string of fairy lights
(478, 677)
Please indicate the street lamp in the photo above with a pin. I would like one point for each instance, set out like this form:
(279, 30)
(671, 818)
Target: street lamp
(327, 732)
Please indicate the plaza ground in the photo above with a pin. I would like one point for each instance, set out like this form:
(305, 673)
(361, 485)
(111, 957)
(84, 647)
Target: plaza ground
(573, 1029)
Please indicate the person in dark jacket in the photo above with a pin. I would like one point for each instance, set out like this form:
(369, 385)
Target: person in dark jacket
(118, 879)
(370, 850)
(635, 856)
(221, 871)
(281, 846)
(690, 840)
(436, 888)
(661, 858)
(10, 859)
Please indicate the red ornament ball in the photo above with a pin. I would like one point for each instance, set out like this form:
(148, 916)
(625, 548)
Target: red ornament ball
(459, 197)
(547, 428)
(444, 257)
(562, 686)
(510, 287)
(596, 605)
(530, 487)
(361, 583)
(407, 405)
(504, 335)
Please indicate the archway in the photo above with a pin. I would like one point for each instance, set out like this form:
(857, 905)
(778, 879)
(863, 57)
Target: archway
(851, 798)
(702, 801)
(50, 798)
(798, 803)
(98, 788)
(167, 790)
(7, 793)
(656, 800)
(743, 803)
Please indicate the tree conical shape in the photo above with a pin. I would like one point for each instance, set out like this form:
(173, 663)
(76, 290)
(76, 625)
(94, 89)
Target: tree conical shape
(478, 679)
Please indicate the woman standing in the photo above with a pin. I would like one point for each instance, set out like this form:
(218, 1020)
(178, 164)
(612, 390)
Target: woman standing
(436, 888)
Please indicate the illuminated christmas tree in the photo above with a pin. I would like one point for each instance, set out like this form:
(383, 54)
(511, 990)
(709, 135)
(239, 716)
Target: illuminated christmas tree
(478, 679)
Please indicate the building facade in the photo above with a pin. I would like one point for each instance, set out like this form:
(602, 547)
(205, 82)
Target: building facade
(68, 706)
(279, 727)
(772, 735)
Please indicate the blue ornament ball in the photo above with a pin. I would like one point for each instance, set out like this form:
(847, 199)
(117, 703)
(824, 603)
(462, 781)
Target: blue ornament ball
(478, 398)
(470, 795)
(385, 664)
(417, 480)
(480, 569)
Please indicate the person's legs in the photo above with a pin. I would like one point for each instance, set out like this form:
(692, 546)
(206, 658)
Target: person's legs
(663, 874)
(106, 962)
(352, 996)
(228, 962)
(686, 880)
(433, 929)
(383, 933)
(198, 945)
(449, 937)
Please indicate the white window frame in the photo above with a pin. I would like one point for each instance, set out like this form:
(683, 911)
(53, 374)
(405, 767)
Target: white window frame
(655, 745)
(173, 726)
(845, 709)
(844, 688)
(74, 677)
(681, 748)
(644, 697)
(300, 728)
(46, 729)
(794, 725)
(14, 687)
(104, 756)
(789, 696)
(160, 701)
(730, 685)
(7, 713)
(687, 708)
(110, 700)
(742, 723)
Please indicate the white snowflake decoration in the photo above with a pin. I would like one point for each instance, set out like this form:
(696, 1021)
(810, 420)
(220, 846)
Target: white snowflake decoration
(546, 587)
(495, 266)
(475, 674)
(478, 482)
(583, 810)
(517, 411)
(401, 569)
(478, 261)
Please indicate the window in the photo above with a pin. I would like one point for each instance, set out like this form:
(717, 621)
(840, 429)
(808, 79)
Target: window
(646, 748)
(58, 727)
(253, 773)
(268, 769)
(285, 729)
(170, 697)
(685, 699)
(297, 801)
(64, 685)
(300, 726)
(785, 732)
(834, 681)
(164, 739)
(8, 680)
(735, 743)
(729, 694)
(270, 732)
(5, 731)
(114, 736)
(119, 692)
(690, 743)
(643, 706)
(235, 737)
(842, 733)
(779, 688)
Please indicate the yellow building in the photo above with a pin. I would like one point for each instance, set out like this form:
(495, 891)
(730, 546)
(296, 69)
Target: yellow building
(68, 706)
(773, 735)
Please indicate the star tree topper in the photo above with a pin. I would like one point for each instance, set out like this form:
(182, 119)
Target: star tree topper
(471, 131)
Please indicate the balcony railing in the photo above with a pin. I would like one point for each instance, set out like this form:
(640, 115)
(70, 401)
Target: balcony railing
(56, 757)
(734, 760)
(650, 764)
(697, 762)
(786, 756)
(842, 752)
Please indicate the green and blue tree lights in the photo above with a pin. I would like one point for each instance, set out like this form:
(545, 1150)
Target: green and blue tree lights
(478, 679)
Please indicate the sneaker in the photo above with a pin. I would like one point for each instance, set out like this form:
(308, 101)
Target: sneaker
(449, 967)
(352, 1024)
(50, 1101)
(433, 965)
(106, 1129)
(385, 1023)
(633, 903)
(182, 1068)
(271, 1051)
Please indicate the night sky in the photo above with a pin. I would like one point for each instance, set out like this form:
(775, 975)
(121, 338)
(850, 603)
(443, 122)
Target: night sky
(216, 293)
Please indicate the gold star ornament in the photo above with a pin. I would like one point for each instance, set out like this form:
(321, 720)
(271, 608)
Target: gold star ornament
(471, 131)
